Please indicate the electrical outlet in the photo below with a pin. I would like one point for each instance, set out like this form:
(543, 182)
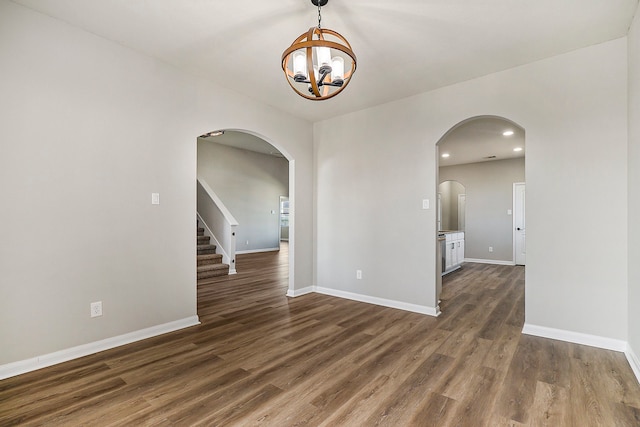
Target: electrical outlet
(96, 309)
(490, 248)
(358, 274)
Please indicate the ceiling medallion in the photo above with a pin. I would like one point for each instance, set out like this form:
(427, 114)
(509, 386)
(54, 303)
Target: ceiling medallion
(314, 64)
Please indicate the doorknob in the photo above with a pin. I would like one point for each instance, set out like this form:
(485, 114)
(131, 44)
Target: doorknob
(518, 228)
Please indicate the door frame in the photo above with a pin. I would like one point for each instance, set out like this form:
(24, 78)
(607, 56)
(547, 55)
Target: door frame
(513, 220)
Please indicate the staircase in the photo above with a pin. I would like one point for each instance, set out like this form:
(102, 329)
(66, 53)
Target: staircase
(209, 263)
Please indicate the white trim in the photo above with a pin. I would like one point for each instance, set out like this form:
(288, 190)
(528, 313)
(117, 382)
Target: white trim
(299, 292)
(513, 218)
(225, 256)
(575, 337)
(292, 225)
(634, 362)
(489, 261)
(422, 309)
(228, 216)
(255, 251)
(39, 362)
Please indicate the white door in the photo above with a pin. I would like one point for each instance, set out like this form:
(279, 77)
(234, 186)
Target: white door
(519, 224)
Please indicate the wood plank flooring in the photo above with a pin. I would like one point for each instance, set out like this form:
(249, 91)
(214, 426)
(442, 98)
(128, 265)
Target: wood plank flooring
(262, 359)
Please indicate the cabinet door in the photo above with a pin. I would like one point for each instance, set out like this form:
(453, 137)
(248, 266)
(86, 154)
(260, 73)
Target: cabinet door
(460, 251)
(451, 257)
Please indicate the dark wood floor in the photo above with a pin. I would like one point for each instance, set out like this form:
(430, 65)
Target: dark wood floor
(260, 358)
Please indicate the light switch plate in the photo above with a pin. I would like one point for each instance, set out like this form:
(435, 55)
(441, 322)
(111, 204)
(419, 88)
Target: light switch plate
(425, 204)
(155, 198)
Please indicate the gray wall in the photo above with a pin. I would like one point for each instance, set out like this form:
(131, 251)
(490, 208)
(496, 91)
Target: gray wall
(449, 191)
(250, 185)
(573, 108)
(89, 130)
(489, 190)
(634, 186)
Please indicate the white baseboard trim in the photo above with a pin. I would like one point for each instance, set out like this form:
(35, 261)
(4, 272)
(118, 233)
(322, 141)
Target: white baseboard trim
(431, 311)
(23, 366)
(633, 360)
(575, 337)
(255, 251)
(299, 292)
(489, 261)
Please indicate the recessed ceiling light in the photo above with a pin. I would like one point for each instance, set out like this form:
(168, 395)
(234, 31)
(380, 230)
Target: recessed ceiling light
(445, 155)
(507, 133)
(517, 149)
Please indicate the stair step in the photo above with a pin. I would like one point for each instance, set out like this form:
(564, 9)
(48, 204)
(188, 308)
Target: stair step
(209, 259)
(212, 270)
(203, 240)
(206, 249)
(200, 231)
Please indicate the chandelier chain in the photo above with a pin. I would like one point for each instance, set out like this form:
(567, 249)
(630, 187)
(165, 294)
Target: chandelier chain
(319, 15)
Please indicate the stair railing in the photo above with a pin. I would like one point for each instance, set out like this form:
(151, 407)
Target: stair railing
(218, 223)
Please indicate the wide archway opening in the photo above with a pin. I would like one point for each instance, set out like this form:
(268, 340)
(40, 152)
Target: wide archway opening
(481, 171)
(245, 188)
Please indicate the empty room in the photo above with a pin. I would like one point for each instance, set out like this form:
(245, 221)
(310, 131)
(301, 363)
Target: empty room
(312, 212)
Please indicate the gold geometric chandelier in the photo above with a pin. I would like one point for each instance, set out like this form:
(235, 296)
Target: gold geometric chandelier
(314, 64)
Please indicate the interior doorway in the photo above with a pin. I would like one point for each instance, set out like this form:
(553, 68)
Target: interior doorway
(487, 154)
(253, 178)
(284, 219)
(519, 224)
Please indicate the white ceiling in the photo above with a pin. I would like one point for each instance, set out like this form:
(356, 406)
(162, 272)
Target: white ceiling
(479, 140)
(403, 47)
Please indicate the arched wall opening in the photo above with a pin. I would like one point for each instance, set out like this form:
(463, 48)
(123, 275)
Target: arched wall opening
(262, 149)
(486, 156)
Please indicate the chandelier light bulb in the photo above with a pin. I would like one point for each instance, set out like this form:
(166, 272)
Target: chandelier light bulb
(299, 65)
(324, 59)
(337, 70)
(319, 64)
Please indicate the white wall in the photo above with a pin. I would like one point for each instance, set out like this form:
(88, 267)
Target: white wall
(374, 167)
(489, 194)
(250, 185)
(89, 129)
(634, 186)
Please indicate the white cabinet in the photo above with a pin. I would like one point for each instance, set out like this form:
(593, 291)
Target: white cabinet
(454, 251)
(460, 250)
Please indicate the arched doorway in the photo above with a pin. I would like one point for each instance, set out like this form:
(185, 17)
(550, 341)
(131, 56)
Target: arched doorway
(486, 154)
(251, 176)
